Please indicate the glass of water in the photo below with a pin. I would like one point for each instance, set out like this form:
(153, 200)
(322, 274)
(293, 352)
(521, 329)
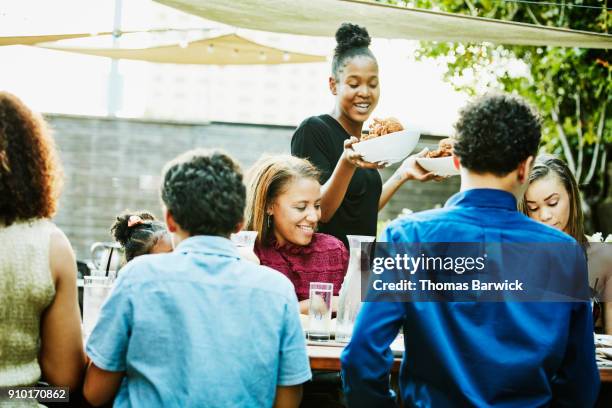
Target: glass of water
(95, 291)
(244, 239)
(319, 311)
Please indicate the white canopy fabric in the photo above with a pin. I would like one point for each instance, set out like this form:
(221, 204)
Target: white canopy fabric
(323, 17)
(35, 39)
(229, 49)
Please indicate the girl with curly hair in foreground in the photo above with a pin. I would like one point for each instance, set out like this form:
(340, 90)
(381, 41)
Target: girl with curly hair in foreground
(40, 335)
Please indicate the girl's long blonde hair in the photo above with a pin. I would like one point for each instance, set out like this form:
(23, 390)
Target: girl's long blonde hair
(266, 180)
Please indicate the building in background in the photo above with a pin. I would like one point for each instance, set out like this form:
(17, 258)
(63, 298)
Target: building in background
(112, 164)
(262, 94)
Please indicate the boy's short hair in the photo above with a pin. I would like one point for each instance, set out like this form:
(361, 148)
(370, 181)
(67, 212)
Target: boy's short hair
(204, 192)
(495, 133)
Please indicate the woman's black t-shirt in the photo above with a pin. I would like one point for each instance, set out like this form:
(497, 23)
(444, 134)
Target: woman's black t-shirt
(320, 139)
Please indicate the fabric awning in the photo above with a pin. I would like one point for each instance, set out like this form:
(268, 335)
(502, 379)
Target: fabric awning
(35, 39)
(323, 17)
(228, 49)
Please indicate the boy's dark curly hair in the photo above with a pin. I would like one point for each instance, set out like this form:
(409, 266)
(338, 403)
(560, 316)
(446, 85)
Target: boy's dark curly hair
(351, 41)
(30, 175)
(495, 133)
(204, 192)
(139, 238)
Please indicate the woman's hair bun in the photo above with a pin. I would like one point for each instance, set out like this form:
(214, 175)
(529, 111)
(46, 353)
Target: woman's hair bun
(120, 229)
(351, 36)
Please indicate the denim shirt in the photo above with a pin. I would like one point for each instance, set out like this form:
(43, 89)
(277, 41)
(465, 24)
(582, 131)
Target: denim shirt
(200, 327)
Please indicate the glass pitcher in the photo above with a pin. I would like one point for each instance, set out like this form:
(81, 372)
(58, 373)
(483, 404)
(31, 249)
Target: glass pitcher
(350, 291)
(107, 258)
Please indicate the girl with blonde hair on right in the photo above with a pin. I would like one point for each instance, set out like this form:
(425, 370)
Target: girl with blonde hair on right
(553, 198)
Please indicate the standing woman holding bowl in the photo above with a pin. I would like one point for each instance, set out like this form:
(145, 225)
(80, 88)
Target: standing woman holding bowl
(352, 191)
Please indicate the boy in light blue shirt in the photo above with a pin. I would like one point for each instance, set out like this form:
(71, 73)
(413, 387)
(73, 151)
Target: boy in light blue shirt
(199, 326)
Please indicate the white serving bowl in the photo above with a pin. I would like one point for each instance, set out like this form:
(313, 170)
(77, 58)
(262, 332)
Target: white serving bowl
(441, 166)
(390, 148)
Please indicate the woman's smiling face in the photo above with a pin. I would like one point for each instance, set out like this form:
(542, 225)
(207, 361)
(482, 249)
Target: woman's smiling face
(296, 211)
(357, 89)
(548, 202)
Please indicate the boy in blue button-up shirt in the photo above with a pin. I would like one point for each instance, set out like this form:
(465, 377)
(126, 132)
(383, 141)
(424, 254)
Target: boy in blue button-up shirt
(511, 354)
(199, 327)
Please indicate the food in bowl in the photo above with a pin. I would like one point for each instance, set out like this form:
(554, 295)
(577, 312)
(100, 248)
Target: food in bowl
(390, 149)
(381, 127)
(439, 161)
(395, 146)
(445, 149)
(440, 166)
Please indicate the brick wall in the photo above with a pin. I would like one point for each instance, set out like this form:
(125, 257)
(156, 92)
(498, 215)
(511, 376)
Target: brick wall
(114, 164)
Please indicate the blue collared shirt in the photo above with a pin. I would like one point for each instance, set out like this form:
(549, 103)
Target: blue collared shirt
(468, 353)
(200, 327)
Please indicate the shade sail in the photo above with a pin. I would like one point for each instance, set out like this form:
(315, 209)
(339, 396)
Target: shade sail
(322, 18)
(229, 49)
(35, 39)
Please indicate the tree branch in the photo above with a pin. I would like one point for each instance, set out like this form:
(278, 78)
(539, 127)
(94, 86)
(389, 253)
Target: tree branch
(561, 14)
(601, 194)
(533, 17)
(602, 120)
(472, 8)
(580, 135)
(515, 9)
(567, 152)
(491, 14)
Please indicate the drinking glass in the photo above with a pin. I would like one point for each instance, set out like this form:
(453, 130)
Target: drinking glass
(244, 239)
(95, 291)
(319, 311)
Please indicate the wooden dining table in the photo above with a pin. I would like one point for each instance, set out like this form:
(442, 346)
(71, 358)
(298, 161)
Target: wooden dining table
(325, 356)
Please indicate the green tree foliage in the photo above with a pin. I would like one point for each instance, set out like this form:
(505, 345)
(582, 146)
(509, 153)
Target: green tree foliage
(569, 86)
